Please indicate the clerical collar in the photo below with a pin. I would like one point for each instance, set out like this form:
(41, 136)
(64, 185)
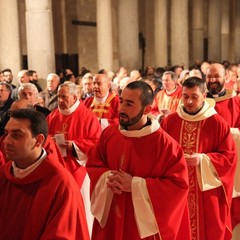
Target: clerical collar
(206, 111)
(21, 173)
(102, 100)
(195, 112)
(148, 123)
(217, 95)
(69, 110)
(172, 91)
(149, 129)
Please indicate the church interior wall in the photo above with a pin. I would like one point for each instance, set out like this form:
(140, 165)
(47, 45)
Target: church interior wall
(81, 40)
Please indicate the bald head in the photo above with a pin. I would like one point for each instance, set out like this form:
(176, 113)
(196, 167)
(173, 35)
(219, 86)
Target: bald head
(101, 85)
(217, 66)
(204, 67)
(135, 75)
(20, 104)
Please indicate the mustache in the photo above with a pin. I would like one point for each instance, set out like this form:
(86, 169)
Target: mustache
(215, 83)
(123, 115)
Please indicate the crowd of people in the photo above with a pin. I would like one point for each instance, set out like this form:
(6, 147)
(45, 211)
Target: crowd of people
(121, 155)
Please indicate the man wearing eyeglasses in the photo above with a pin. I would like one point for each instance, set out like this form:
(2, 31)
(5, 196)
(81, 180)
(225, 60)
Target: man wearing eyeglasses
(5, 103)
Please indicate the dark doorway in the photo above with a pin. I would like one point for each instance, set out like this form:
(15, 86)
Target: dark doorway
(64, 61)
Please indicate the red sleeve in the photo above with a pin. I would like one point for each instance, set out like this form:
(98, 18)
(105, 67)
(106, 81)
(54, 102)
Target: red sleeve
(155, 110)
(67, 219)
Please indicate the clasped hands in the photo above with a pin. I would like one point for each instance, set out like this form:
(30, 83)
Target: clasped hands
(193, 159)
(119, 181)
(68, 145)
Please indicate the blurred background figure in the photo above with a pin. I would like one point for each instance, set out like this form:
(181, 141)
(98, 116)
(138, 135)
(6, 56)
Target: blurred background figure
(49, 95)
(8, 77)
(135, 75)
(87, 86)
(5, 104)
(29, 91)
(23, 77)
(34, 79)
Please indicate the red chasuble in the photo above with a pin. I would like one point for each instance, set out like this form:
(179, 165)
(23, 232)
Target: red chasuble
(163, 100)
(209, 210)
(108, 110)
(228, 106)
(83, 128)
(46, 204)
(2, 159)
(156, 159)
(229, 109)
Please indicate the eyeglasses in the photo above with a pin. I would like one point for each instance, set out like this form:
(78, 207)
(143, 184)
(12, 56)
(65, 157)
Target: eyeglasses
(3, 90)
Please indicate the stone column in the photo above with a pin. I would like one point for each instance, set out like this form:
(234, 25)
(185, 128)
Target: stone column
(128, 34)
(179, 33)
(160, 30)
(40, 42)
(237, 33)
(60, 26)
(196, 54)
(10, 54)
(104, 35)
(214, 31)
(148, 32)
(225, 30)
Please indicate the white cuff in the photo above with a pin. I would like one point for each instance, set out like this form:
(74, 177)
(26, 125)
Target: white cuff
(144, 214)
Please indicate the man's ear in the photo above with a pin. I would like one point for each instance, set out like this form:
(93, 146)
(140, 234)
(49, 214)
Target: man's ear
(147, 109)
(40, 140)
(75, 97)
(204, 95)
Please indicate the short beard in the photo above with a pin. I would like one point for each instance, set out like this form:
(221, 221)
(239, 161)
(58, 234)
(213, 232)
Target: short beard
(131, 121)
(216, 90)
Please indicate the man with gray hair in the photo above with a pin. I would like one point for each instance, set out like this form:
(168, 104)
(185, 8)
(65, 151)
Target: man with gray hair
(76, 130)
(49, 95)
(166, 101)
(29, 91)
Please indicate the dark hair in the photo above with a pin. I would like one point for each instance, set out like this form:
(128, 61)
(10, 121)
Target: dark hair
(147, 92)
(68, 76)
(102, 71)
(175, 67)
(6, 70)
(31, 72)
(195, 82)
(38, 122)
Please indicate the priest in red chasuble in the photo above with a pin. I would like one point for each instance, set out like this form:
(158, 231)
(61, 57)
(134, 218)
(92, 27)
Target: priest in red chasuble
(104, 104)
(76, 130)
(210, 153)
(39, 198)
(139, 181)
(228, 106)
